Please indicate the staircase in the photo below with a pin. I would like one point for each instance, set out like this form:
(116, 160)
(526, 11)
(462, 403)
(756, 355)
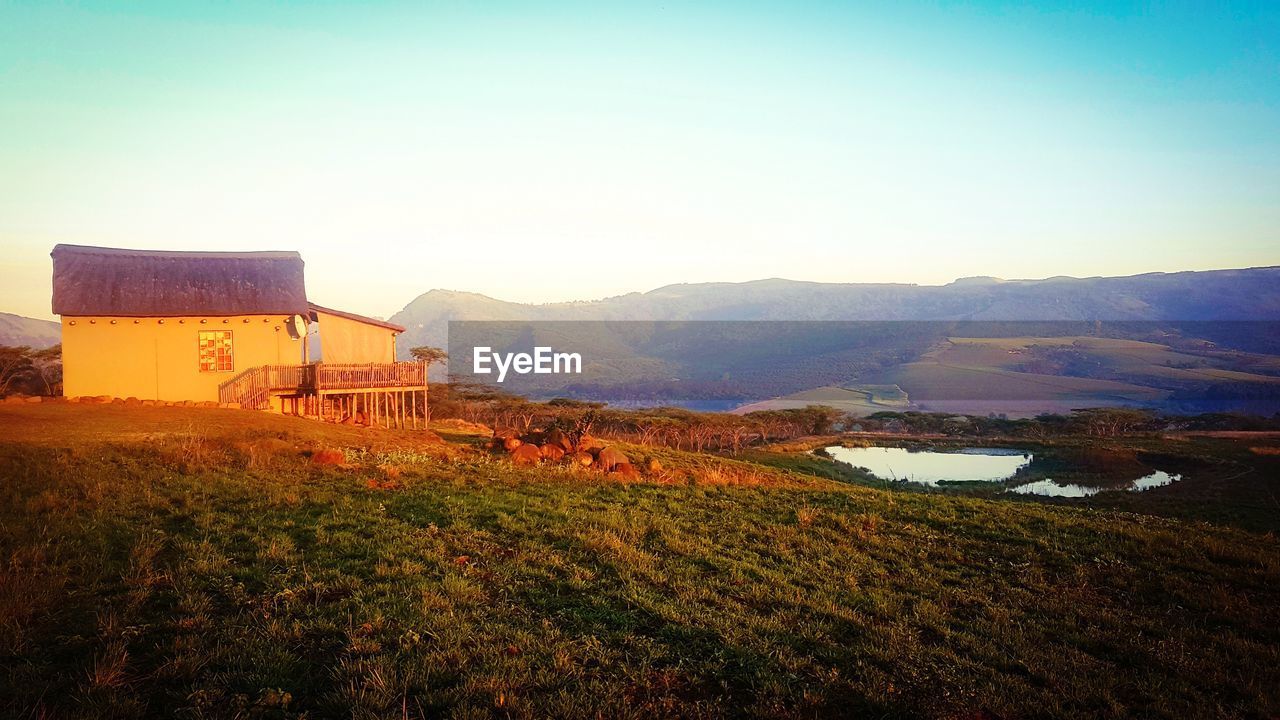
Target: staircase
(251, 389)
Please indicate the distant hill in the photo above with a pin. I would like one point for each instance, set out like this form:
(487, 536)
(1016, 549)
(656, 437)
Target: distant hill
(1210, 352)
(1248, 294)
(18, 330)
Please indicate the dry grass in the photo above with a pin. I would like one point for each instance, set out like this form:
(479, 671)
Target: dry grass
(473, 588)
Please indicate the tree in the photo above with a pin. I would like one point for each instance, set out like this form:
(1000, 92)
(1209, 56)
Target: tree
(47, 367)
(15, 365)
(429, 355)
(1110, 422)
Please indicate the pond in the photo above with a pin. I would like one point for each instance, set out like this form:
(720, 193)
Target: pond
(929, 467)
(1054, 488)
(1063, 474)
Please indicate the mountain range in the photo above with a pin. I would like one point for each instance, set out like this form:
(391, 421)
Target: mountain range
(19, 330)
(1215, 295)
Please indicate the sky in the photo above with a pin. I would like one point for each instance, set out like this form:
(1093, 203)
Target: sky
(568, 151)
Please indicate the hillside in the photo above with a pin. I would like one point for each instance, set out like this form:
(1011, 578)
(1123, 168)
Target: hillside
(1247, 294)
(698, 355)
(19, 330)
(188, 562)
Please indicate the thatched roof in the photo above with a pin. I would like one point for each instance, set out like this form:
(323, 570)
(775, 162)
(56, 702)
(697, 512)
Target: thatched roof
(352, 316)
(154, 283)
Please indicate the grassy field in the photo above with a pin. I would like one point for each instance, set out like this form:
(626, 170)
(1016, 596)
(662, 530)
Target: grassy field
(197, 563)
(1015, 375)
(856, 400)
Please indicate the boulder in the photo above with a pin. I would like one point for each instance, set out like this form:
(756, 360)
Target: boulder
(526, 455)
(552, 452)
(512, 444)
(581, 458)
(590, 444)
(149, 403)
(610, 457)
(35, 399)
(14, 400)
(626, 470)
(559, 439)
(328, 456)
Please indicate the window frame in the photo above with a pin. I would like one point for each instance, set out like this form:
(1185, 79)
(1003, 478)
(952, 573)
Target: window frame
(217, 357)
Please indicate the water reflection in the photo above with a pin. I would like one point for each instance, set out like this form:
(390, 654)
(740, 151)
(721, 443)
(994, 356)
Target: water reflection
(929, 467)
(1051, 488)
(1080, 473)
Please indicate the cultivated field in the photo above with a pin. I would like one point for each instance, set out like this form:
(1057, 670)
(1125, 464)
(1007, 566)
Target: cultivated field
(198, 563)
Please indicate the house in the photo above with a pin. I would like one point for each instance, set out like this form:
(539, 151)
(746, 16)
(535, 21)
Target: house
(229, 327)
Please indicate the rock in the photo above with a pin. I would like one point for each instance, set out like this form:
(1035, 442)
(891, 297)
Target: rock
(35, 399)
(149, 403)
(75, 399)
(512, 444)
(101, 399)
(207, 404)
(581, 458)
(610, 457)
(526, 455)
(328, 456)
(590, 443)
(132, 401)
(14, 400)
(652, 465)
(559, 439)
(229, 405)
(552, 452)
(626, 470)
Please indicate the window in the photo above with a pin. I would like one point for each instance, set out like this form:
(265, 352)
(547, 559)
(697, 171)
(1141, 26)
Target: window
(215, 351)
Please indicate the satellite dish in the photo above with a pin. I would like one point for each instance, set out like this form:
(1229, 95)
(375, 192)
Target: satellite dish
(297, 327)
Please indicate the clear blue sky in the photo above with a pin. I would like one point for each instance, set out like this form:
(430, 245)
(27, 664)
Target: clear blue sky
(575, 150)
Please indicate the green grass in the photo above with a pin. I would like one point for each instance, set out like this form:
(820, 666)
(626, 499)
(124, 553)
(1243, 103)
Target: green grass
(186, 576)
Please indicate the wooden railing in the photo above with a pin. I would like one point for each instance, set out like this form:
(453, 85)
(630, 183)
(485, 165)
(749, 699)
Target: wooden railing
(285, 377)
(339, 376)
(251, 388)
(254, 387)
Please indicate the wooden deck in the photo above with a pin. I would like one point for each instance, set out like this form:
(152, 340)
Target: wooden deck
(371, 391)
